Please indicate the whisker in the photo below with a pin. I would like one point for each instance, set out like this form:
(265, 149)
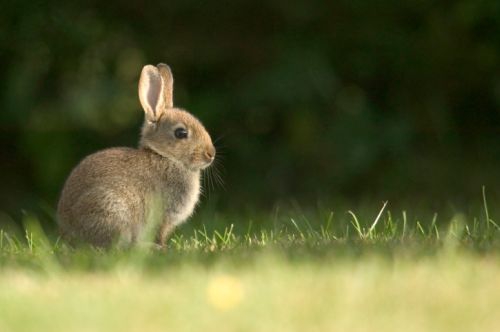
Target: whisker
(220, 147)
(220, 154)
(203, 185)
(218, 164)
(210, 176)
(207, 177)
(220, 182)
(219, 138)
(217, 174)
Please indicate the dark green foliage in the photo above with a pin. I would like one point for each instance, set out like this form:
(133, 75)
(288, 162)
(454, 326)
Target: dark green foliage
(312, 99)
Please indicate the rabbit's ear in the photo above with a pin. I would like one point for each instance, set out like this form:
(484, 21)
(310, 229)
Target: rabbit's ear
(151, 92)
(168, 84)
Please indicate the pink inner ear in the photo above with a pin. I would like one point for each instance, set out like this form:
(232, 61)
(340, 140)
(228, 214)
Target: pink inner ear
(154, 89)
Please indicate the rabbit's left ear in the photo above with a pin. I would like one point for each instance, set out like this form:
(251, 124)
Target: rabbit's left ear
(168, 84)
(151, 92)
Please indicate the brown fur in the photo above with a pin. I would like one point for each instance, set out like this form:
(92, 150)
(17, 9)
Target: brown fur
(119, 194)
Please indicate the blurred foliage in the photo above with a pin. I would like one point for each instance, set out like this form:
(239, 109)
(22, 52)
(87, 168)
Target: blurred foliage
(310, 98)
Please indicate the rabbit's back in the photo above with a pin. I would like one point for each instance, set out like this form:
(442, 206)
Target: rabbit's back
(104, 196)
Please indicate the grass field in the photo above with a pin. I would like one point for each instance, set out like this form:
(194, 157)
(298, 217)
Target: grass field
(285, 272)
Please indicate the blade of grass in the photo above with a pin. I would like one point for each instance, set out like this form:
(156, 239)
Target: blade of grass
(485, 205)
(298, 228)
(372, 228)
(356, 224)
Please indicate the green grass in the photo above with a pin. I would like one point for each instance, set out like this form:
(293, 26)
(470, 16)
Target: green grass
(377, 270)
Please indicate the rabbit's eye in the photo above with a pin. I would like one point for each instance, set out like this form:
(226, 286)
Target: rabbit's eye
(181, 133)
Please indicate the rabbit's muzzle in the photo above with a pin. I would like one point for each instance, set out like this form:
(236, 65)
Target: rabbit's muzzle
(208, 156)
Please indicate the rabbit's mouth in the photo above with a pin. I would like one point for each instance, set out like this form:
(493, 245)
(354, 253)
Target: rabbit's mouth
(199, 164)
(206, 164)
(207, 158)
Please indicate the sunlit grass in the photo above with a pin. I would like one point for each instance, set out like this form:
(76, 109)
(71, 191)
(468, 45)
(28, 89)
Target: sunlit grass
(293, 271)
(457, 292)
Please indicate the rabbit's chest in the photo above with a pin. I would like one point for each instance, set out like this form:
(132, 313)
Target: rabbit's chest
(180, 199)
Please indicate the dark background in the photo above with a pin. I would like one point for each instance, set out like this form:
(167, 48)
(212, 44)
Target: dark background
(312, 100)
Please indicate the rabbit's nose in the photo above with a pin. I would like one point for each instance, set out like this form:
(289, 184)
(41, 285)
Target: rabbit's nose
(210, 153)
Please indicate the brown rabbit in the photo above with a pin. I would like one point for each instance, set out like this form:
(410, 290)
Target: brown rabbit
(119, 194)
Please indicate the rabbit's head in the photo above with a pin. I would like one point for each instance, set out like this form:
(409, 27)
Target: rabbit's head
(168, 131)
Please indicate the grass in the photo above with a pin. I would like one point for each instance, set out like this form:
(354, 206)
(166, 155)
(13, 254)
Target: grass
(378, 270)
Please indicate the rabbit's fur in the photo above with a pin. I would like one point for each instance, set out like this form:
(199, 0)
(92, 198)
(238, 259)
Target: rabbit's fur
(119, 194)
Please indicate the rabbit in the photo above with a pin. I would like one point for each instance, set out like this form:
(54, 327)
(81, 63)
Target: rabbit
(120, 194)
